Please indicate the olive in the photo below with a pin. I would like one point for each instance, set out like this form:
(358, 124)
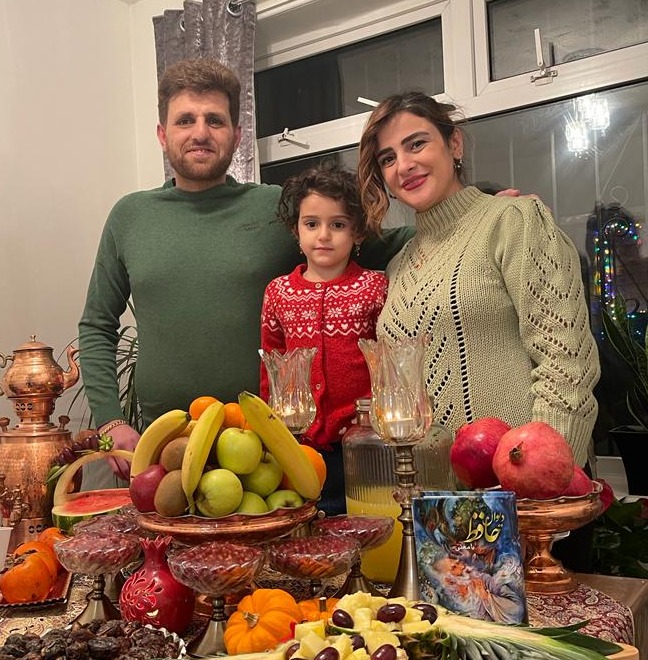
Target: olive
(291, 650)
(342, 619)
(384, 652)
(429, 611)
(328, 653)
(357, 642)
(391, 613)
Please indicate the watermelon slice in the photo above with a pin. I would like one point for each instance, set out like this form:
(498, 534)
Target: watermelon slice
(70, 508)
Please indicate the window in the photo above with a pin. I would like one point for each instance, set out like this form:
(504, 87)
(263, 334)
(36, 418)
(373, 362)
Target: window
(326, 86)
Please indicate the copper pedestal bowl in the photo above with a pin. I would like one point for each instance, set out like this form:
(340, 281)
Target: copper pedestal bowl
(240, 528)
(540, 521)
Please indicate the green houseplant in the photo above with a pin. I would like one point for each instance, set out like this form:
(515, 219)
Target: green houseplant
(126, 360)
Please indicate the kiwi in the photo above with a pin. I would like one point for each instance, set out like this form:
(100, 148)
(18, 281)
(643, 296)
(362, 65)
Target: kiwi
(172, 454)
(170, 500)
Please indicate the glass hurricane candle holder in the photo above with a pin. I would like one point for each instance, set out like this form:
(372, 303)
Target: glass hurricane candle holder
(216, 568)
(401, 413)
(290, 388)
(98, 554)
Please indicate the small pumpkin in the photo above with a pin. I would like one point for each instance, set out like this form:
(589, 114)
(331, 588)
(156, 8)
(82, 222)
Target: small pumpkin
(314, 609)
(27, 580)
(262, 620)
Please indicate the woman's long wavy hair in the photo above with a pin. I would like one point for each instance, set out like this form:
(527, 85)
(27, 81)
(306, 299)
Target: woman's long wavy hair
(375, 200)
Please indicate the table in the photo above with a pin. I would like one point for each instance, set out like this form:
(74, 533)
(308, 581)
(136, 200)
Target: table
(617, 609)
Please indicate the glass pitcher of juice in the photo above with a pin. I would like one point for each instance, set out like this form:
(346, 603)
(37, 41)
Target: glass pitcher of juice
(370, 480)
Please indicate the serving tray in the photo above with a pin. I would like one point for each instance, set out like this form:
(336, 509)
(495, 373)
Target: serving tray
(58, 595)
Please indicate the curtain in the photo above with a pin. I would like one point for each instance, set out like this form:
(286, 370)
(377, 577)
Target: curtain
(223, 30)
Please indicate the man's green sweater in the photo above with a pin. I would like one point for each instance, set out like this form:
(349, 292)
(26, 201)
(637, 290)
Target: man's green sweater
(196, 266)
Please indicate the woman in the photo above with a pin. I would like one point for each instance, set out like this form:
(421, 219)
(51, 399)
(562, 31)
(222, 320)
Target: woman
(493, 280)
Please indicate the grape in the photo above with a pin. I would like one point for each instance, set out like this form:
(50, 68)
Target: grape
(291, 650)
(342, 619)
(384, 652)
(328, 653)
(391, 613)
(77, 446)
(93, 442)
(67, 456)
(357, 642)
(429, 611)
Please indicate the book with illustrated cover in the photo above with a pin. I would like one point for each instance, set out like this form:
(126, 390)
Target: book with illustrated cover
(469, 554)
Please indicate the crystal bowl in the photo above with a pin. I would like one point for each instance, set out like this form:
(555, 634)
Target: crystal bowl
(97, 553)
(217, 567)
(314, 557)
(369, 531)
(244, 528)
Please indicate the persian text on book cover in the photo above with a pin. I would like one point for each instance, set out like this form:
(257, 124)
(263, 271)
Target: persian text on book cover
(469, 554)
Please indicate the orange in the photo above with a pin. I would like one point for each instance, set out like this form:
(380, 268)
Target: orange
(43, 551)
(199, 404)
(50, 536)
(233, 416)
(317, 461)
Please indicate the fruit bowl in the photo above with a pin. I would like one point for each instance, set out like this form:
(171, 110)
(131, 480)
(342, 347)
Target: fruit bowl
(217, 567)
(245, 528)
(369, 531)
(94, 553)
(314, 557)
(539, 521)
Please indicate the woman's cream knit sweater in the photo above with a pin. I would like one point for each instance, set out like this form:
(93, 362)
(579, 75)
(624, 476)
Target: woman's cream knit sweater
(498, 288)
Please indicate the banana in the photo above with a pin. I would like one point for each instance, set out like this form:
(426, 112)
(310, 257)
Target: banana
(281, 443)
(200, 442)
(156, 437)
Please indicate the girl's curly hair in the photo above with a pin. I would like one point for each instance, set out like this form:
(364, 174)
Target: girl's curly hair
(329, 180)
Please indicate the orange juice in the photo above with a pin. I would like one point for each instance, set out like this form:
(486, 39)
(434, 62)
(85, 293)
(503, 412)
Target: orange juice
(381, 563)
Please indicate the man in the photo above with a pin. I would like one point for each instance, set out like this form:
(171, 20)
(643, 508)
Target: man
(195, 256)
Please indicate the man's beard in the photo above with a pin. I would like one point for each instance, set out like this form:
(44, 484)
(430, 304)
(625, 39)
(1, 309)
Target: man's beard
(193, 171)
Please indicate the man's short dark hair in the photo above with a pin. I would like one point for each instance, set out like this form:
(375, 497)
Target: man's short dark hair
(199, 76)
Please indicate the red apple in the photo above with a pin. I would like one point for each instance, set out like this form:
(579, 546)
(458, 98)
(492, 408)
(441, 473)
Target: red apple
(471, 454)
(143, 486)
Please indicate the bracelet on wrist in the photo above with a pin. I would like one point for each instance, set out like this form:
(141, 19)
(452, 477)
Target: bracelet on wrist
(111, 425)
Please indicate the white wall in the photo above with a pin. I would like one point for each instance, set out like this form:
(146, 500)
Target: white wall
(67, 152)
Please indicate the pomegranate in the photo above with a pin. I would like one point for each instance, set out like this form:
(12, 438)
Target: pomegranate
(534, 461)
(580, 484)
(471, 454)
(152, 595)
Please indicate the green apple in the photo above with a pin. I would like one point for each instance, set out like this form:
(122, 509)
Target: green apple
(219, 493)
(283, 498)
(238, 450)
(265, 478)
(252, 503)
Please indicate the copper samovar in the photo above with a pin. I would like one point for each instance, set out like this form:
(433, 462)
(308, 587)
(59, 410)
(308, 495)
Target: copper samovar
(32, 382)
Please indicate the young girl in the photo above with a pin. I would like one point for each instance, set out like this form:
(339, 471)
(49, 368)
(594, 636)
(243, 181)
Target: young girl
(329, 303)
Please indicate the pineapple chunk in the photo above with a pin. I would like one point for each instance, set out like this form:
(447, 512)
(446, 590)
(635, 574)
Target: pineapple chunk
(358, 654)
(310, 645)
(412, 615)
(302, 629)
(343, 645)
(381, 625)
(416, 627)
(362, 618)
(375, 638)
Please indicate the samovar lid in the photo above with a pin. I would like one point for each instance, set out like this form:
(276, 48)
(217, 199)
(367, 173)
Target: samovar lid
(33, 345)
